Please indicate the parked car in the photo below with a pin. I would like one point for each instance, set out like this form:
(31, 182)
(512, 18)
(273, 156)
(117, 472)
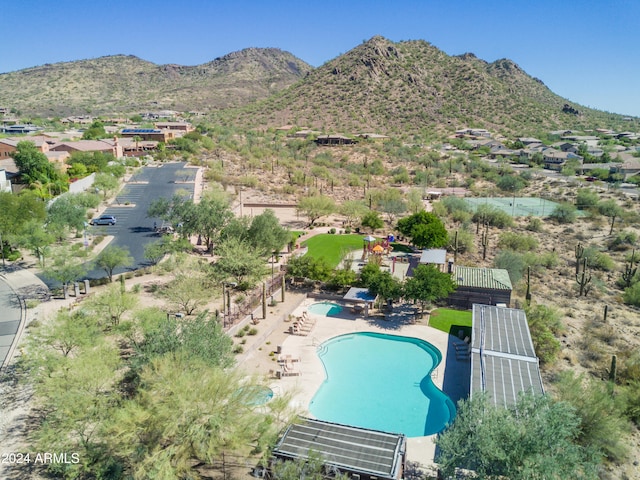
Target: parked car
(104, 220)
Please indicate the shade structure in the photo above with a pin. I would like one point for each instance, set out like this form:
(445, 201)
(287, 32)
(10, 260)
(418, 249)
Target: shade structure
(378, 249)
(369, 238)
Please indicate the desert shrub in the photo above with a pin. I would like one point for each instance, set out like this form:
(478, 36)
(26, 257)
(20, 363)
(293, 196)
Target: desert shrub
(493, 216)
(586, 198)
(623, 241)
(455, 204)
(517, 242)
(602, 421)
(598, 260)
(544, 322)
(564, 213)
(534, 225)
(538, 262)
(631, 295)
(512, 262)
(466, 241)
(631, 398)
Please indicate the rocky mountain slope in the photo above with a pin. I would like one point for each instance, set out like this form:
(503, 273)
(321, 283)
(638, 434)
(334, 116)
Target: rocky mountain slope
(126, 84)
(411, 86)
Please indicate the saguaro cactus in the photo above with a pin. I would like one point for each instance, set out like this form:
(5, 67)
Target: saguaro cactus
(485, 242)
(613, 370)
(629, 271)
(579, 251)
(527, 296)
(584, 279)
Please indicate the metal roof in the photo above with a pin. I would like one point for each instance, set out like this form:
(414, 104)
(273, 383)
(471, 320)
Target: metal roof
(355, 294)
(434, 255)
(503, 360)
(351, 449)
(478, 277)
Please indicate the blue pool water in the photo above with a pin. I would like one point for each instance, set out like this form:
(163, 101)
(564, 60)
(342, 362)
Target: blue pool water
(382, 382)
(325, 308)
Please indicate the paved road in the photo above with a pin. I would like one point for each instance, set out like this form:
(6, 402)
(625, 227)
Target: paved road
(10, 314)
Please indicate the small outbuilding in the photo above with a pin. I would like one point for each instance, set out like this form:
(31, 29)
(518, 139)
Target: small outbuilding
(488, 286)
(359, 452)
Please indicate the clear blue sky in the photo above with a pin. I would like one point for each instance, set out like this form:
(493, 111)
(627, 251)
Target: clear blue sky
(585, 50)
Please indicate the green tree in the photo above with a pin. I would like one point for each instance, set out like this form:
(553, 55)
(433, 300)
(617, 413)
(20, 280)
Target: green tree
(217, 415)
(609, 208)
(111, 258)
(95, 131)
(309, 267)
(372, 220)
(37, 239)
(33, 164)
(316, 207)
(106, 183)
(428, 284)
(353, 210)
(65, 213)
(238, 260)
(266, 234)
(111, 304)
(424, 229)
(65, 267)
(533, 439)
(206, 218)
(188, 291)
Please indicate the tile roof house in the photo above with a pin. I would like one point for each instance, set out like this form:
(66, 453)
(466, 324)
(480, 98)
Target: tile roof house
(104, 145)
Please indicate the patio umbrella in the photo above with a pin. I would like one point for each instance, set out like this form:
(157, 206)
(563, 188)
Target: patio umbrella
(369, 238)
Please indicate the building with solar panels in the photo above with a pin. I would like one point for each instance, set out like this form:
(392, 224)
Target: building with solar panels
(151, 134)
(503, 360)
(359, 452)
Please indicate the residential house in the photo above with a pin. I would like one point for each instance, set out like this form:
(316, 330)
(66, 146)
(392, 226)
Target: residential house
(528, 140)
(334, 140)
(151, 134)
(554, 159)
(104, 145)
(10, 144)
(473, 132)
(184, 127)
(488, 286)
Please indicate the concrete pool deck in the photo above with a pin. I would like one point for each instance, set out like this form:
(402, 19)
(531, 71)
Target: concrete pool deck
(451, 375)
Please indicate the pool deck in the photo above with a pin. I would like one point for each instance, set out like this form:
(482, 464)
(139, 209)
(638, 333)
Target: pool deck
(451, 375)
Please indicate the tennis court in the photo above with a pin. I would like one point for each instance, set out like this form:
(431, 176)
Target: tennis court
(517, 206)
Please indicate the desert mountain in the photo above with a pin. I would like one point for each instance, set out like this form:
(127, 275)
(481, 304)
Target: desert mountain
(125, 84)
(412, 86)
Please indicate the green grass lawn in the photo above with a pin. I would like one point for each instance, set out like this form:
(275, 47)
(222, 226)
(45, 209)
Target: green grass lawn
(332, 247)
(451, 321)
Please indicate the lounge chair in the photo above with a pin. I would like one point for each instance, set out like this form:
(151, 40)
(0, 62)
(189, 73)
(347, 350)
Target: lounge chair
(288, 370)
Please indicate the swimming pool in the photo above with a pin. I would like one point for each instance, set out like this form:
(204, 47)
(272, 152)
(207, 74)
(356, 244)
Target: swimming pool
(382, 382)
(325, 308)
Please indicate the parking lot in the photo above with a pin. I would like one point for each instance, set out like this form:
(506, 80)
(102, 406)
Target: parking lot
(134, 229)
